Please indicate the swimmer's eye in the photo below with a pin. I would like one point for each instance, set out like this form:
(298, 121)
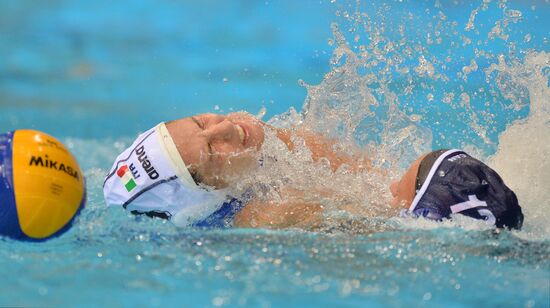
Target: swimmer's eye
(201, 125)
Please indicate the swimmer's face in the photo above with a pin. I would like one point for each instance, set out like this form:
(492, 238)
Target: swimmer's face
(404, 190)
(218, 148)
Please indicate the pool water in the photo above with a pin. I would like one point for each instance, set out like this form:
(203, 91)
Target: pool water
(393, 77)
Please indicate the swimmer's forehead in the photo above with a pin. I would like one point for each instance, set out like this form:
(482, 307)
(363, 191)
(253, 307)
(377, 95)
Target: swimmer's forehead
(185, 133)
(183, 127)
(190, 127)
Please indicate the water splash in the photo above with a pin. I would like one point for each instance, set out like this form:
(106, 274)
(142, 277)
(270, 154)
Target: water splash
(393, 97)
(115, 253)
(522, 155)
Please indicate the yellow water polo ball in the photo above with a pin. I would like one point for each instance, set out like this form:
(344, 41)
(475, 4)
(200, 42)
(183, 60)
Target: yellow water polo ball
(42, 187)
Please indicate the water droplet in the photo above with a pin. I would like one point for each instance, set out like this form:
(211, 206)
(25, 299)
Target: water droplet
(430, 97)
(513, 13)
(261, 113)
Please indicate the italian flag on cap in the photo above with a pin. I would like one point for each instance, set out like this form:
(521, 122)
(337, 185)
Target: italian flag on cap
(126, 177)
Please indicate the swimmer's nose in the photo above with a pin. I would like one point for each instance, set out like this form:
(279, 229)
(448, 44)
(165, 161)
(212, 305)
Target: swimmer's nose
(224, 130)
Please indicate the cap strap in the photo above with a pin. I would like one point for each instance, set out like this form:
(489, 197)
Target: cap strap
(171, 151)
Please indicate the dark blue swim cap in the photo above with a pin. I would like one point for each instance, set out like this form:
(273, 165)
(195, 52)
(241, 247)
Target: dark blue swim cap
(459, 183)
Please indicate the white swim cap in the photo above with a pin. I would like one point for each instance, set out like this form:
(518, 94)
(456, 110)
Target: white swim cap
(151, 177)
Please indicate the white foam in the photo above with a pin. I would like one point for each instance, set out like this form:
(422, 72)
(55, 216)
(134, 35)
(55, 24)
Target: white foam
(523, 155)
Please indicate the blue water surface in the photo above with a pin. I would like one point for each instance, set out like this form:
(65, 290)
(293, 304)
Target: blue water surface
(96, 73)
(111, 69)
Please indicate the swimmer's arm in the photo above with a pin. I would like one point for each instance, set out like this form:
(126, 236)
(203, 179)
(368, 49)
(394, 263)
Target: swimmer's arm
(323, 147)
(293, 212)
(297, 211)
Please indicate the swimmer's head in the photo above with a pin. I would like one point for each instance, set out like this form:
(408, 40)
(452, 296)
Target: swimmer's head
(404, 190)
(178, 170)
(446, 182)
(218, 148)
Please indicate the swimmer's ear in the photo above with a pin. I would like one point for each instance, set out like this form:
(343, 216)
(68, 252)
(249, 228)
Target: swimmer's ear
(195, 176)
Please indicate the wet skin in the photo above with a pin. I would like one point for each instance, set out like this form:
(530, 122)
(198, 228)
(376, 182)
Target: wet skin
(404, 190)
(217, 148)
(296, 212)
